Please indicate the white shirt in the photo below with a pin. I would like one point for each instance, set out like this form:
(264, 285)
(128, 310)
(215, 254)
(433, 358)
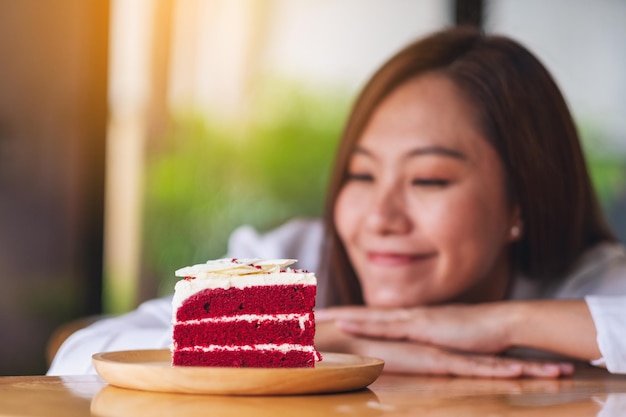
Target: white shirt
(599, 277)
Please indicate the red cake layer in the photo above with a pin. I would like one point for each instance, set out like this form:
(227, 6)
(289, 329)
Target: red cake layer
(256, 359)
(267, 299)
(244, 332)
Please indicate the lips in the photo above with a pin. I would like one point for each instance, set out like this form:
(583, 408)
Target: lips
(397, 259)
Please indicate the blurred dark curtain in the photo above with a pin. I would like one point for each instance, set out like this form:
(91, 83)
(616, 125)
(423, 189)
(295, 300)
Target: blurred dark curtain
(53, 112)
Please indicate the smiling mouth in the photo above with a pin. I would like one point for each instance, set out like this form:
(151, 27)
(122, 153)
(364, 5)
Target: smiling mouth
(396, 259)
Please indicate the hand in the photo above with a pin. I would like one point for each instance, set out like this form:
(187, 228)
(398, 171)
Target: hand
(564, 327)
(470, 328)
(416, 357)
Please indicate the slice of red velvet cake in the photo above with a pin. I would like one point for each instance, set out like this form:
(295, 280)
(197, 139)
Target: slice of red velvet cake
(244, 313)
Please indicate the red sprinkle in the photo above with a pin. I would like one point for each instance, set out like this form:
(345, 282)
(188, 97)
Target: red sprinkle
(189, 278)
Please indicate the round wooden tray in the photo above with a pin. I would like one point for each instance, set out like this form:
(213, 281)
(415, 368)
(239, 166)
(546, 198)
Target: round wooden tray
(151, 370)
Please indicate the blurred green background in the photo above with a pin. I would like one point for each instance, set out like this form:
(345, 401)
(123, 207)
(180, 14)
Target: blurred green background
(208, 177)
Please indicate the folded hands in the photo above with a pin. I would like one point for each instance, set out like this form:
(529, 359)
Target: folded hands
(464, 340)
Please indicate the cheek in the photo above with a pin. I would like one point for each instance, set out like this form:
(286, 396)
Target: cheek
(465, 221)
(346, 212)
(474, 230)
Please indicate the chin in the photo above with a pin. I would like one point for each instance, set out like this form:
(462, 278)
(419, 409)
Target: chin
(400, 293)
(390, 300)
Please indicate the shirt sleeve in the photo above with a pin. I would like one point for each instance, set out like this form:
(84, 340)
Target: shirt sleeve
(147, 327)
(600, 271)
(609, 317)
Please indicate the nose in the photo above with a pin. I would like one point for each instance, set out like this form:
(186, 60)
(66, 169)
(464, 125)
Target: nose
(388, 212)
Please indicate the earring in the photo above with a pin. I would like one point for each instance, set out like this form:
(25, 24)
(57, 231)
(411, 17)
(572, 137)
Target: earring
(516, 231)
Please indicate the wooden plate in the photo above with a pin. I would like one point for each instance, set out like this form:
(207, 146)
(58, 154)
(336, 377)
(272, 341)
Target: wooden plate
(151, 370)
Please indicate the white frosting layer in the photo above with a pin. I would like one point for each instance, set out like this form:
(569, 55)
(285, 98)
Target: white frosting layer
(237, 273)
(302, 318)
(284, 348)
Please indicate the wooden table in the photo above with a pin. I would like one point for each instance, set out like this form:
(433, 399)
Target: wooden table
(592, 392)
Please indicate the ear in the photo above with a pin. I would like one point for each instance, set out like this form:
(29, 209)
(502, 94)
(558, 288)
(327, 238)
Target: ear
(516, 225)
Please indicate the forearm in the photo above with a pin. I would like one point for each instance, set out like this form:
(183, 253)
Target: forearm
(148, 327)
(74, 356)
(560, 326)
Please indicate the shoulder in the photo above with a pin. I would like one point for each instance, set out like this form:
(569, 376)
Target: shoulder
(300, 238)
(601, 270)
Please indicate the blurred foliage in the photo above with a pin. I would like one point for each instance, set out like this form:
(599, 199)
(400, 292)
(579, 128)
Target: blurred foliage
(607, 166)
(209, 177)
(609, 178)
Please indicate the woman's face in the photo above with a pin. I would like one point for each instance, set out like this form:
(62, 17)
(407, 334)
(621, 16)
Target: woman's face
(424, 215)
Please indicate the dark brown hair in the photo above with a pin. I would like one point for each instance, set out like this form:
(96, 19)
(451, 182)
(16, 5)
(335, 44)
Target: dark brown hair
(524, 117)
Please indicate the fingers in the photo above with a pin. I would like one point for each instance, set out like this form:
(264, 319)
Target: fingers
(362, 313)
(416, 324)
(486, 366)
(379, 323)
(325, 315)
(402, 357)
(498, 367)
(398, 330)
(438, 362)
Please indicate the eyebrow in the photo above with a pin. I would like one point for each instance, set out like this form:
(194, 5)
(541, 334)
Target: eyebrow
(427, 150)
(438, 150)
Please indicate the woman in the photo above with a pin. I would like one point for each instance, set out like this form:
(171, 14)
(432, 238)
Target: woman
(459, 187)
(460, 179)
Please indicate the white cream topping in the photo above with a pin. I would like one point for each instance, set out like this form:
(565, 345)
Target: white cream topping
(237, 273)
(235, 266)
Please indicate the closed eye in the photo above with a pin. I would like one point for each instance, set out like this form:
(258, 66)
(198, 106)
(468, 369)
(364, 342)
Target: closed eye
(360, 177)
(430, 182)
